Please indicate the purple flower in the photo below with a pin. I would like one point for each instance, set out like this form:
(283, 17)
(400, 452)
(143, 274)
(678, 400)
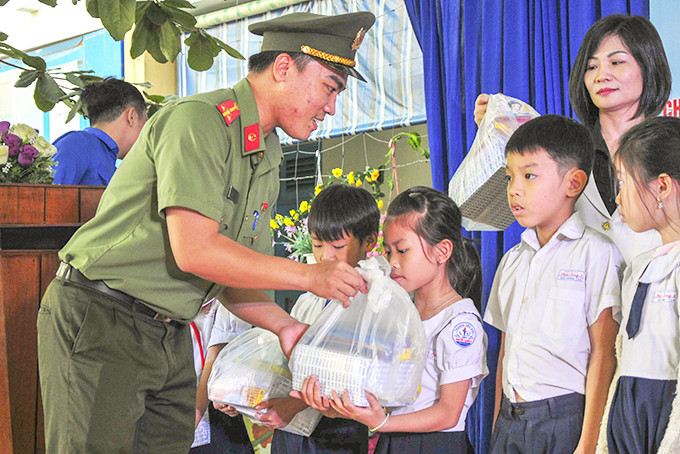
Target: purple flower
(13, 142)
(27, 155)
(4, 127)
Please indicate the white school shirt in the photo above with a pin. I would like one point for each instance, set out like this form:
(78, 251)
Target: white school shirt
(545, 299)
(456, 352)
(213, 324)
(594, 214)
(654, 352)
(307, 308)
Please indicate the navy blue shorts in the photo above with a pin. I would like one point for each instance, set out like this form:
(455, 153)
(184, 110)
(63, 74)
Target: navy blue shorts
(548, 426)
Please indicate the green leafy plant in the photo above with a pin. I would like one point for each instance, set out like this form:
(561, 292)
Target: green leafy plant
(414, 141)
(291, 229)
(158, 25)
(53, 85)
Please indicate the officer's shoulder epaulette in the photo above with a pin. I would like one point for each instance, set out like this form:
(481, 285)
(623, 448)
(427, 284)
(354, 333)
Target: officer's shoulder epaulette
(229, 110)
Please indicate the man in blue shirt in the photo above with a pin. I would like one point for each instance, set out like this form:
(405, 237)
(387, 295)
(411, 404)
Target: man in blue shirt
(117, 112)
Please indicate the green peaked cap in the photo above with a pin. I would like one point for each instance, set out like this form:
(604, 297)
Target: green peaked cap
(333, 40)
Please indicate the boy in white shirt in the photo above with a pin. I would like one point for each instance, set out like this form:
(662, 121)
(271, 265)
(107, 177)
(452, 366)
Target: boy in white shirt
(554, 297)
(343, 223)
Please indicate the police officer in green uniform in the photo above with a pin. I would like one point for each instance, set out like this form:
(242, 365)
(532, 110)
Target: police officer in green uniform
(186, 218)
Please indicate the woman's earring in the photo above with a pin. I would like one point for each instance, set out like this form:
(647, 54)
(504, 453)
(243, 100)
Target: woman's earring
(659, 203)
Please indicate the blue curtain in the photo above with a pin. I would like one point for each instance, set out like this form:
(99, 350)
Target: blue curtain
(523, 48)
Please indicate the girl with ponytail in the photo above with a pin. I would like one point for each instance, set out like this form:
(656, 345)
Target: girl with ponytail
(431, 258)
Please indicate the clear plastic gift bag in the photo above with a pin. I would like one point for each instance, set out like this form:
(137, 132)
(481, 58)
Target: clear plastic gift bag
(479, 185)
(376, 344)
(251, 369)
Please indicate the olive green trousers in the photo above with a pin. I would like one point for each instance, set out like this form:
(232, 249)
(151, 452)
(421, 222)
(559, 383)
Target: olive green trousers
(112, 381)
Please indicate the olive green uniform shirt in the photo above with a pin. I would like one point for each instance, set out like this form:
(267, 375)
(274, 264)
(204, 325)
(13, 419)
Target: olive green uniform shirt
(188, 155)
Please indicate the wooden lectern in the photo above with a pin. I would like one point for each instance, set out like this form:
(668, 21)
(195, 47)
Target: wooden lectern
(35, 222)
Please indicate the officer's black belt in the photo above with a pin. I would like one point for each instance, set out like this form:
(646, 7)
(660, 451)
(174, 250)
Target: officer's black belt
(70, 274)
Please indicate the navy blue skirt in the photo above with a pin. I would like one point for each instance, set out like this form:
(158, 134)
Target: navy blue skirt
(332, 435)
(639, 414)
(424, 443)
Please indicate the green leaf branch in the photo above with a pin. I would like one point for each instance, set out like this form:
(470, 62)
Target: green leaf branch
(158, 27)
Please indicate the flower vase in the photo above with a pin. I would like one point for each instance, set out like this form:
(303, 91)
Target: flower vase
(309, 259)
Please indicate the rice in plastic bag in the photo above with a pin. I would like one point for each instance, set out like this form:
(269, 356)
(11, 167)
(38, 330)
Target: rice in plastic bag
(251, 369)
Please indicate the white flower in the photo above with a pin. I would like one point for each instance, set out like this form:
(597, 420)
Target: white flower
(25, 132)
(4, 154)
(44, 147)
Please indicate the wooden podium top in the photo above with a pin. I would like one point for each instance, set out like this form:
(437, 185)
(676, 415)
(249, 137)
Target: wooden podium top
(46, 204)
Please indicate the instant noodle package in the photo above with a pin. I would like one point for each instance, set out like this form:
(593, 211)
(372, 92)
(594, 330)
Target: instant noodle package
(377, 344)
(479, 185)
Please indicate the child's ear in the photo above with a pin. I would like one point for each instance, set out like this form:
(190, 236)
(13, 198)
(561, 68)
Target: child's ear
(443, 250)
(665, 186)
(369, 242)
(577, 180)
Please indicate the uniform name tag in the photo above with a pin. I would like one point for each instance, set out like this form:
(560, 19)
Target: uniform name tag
(571, 275)
(665, 296)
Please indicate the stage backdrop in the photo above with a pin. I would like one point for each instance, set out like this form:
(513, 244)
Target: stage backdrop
(523, 48)
(665, 15)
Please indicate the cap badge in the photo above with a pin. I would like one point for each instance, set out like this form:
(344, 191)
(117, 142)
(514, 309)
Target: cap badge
(359, 39)
(229, 110)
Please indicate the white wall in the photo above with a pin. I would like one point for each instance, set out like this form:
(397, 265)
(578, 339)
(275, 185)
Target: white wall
(30, 24)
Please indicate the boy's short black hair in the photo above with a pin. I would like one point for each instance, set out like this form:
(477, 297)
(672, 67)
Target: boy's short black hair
(567, 142)
(106, 100)
(341, 209)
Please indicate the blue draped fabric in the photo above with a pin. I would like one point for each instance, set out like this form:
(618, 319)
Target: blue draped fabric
(523, 48)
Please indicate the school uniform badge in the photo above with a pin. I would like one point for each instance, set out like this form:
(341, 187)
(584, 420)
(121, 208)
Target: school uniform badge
(464, 334)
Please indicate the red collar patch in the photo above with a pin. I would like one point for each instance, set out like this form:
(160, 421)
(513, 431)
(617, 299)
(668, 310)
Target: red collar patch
(229, 110)
(252, 137)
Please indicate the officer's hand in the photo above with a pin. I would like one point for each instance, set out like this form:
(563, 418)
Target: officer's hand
(481, 104)
(335, 280)
(290, 334)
